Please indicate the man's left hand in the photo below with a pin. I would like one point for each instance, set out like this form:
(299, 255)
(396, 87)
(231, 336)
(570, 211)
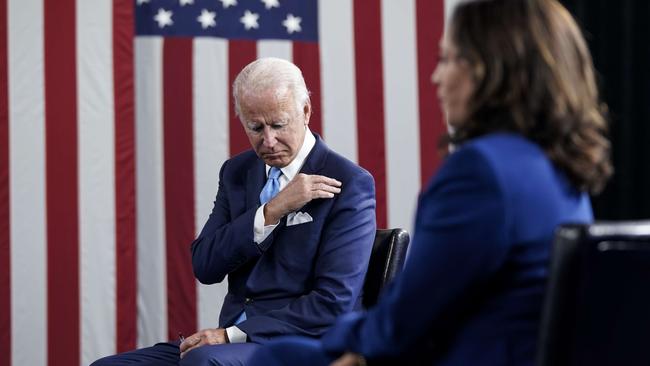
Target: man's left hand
(202, 338)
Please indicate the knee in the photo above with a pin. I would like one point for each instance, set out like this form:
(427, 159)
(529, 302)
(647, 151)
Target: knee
(197, 357)
(291, 351)
(235, 354)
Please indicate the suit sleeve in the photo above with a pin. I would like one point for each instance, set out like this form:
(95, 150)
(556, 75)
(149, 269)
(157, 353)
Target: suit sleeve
(459, 240)
(226, 242)
(339, 270)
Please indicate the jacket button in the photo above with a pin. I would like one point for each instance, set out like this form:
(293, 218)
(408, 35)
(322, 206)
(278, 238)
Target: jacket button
(248, 300)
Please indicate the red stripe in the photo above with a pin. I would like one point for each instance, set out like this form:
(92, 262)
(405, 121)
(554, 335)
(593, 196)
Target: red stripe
(240, 54)
(306, 55)
(125, 230)
(5, 250)
(430, 23)
(61, 183)
(370, 97)
(179, 184)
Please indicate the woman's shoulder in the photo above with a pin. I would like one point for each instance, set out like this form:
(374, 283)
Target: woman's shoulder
(502, 142)
(502, 148)
(502, 156)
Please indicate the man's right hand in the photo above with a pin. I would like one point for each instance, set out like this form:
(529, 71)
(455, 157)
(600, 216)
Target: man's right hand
(299, 191)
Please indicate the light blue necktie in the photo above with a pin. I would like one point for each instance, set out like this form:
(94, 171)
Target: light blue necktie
(272, 186)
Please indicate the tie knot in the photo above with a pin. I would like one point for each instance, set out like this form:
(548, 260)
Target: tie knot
(274, 173)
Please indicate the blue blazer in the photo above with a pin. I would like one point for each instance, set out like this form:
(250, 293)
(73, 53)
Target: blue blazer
(475, 276)
(302, 276)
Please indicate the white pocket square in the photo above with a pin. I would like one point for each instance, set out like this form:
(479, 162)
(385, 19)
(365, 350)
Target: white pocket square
(296, 218)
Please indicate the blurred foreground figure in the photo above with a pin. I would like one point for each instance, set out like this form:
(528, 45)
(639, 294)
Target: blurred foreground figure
(516, 82)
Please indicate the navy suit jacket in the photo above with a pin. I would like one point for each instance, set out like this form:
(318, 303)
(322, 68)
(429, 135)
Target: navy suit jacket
(474, 279)
(302, 276)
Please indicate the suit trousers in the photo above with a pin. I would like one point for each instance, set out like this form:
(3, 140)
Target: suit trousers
(168, 354)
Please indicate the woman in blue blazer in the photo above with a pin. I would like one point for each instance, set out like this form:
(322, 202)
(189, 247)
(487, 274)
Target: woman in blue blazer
(516, 82)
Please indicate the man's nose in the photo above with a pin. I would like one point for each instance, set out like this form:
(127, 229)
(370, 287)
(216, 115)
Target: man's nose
(269, 137)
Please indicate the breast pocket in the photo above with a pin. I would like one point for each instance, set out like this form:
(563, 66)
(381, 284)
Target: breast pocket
(297, 245)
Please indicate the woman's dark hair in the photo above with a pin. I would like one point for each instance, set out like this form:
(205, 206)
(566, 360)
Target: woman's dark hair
(534, 76)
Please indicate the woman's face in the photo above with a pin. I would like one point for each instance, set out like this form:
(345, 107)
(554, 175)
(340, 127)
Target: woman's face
(453, 78)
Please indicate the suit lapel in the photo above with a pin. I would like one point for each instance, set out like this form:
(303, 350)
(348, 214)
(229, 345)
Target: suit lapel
(314, 164)
(316, 159)
(255, 179)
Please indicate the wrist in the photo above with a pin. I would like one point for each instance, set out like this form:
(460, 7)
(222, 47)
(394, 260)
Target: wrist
(271, 215)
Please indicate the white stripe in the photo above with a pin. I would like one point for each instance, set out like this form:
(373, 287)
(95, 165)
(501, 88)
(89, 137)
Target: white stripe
(401, 110)
(275, 48)
(96, 179)
(211, 138)
(449, 8)
(338, 76)
(27, 182)
(152, 281)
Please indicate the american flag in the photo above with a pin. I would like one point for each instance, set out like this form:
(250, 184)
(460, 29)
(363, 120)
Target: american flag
(115, 117)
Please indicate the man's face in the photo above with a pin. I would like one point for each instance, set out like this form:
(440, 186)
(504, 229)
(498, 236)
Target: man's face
(274, 125)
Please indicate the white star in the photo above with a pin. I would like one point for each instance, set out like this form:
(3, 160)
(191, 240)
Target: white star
(271, 4)
(292, 23)
(164, 17)
(228, 3)
(186, 2)
(207, 18)
(250, 20)
(140, 2)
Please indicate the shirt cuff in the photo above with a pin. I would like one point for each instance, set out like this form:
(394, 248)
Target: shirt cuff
(235, 335)
(261, 232)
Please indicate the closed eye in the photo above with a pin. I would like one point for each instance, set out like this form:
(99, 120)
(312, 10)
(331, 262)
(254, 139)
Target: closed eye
(257, 127)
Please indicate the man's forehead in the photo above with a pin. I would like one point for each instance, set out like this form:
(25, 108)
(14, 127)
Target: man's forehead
(267, 100)
(273, 93)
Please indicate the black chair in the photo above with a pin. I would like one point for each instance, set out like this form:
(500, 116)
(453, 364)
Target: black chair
(597, 307)
(386, 261)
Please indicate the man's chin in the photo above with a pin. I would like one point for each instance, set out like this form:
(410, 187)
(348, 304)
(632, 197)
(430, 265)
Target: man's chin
(276, 161)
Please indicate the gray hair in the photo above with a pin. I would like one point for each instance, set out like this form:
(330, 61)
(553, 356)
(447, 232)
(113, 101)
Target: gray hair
(270, 73)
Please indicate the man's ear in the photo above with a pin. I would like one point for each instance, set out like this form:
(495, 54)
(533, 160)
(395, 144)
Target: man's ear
(306, 110)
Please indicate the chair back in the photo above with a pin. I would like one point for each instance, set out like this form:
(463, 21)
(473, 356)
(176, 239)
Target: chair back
(386, 261)
(597, 306)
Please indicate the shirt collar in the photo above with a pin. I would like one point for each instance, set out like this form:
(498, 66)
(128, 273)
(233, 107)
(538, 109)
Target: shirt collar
(294, 167)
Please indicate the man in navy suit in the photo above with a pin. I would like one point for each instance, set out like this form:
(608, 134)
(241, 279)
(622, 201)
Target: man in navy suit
(292, 227)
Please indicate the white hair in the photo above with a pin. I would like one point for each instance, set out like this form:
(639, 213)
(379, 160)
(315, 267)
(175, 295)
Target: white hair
(270, 73)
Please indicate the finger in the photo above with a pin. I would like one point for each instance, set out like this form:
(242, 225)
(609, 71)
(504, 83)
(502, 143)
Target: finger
(187, 349)
(323, 179)
(189, 342)
(327, 188)
(198, 342)
(321, 194)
